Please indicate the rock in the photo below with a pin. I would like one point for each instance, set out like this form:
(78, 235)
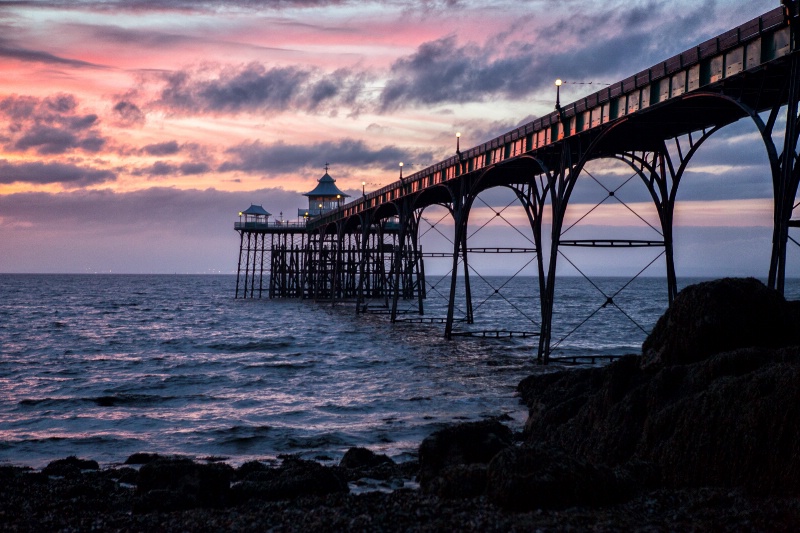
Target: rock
(721, 315)
(537, 477)
(459, 481)
(293, 479)
(732, 420)
(70, 466)
(249, 467)
(363, 458)
(597, 413)
(141, 458)
(462, 444)
(163, 500)
(180, 482)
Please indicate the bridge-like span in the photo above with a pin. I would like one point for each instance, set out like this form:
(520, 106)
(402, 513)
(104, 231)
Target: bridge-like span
(654, 121)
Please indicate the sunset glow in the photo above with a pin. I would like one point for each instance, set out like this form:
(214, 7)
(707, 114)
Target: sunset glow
(174, 115)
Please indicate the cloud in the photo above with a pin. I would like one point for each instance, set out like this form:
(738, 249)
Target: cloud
(255, 88)
(165, 168)
(517, 64)
(48, 141)
(37, 56)
(190, 169)
(185, 7)
(282, 158)
(128, 114)
(154, 208)
(50, 126)
(68, 175)
(165, 148)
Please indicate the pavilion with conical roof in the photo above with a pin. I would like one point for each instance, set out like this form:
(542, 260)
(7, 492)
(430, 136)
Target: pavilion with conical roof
(325, 197)
(255, 214)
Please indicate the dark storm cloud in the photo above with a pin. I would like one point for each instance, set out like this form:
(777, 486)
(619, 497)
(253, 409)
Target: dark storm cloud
(50, 125)
(254, 87)
(281, 158)
(42, 173)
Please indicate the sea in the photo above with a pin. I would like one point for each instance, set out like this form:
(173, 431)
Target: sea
(104, 366)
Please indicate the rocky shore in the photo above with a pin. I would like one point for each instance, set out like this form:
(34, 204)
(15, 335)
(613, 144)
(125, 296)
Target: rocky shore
(699, 433)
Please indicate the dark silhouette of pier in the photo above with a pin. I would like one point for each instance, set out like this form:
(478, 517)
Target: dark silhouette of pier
(655, 121)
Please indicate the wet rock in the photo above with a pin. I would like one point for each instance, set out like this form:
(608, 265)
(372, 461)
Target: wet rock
(537, 477)
(163, 500)
(597, 413)
(293, 479)
(721, 315)
(462, 444)
(126, 475)
(459, 481)
(70, 466)
(141, 458)
(731, 420)
(360, 464)
(249, 467)
(175, 483)
(363, 458)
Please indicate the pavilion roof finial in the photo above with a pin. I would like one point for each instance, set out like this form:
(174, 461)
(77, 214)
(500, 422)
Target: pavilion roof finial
(326, 167)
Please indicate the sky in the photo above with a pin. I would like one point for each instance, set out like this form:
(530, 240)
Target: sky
(133, 132)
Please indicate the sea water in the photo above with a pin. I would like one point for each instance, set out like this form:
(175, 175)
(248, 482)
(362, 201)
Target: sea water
(103, 366)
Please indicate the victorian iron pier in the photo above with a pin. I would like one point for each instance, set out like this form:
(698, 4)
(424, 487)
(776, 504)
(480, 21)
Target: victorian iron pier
(366, 250)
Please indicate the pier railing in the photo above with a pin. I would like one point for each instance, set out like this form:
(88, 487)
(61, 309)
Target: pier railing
(272, 225)
(729, 54)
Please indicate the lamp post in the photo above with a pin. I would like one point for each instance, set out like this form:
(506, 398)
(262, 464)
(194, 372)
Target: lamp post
(363, 190)
(558, 96)
(338, 200)
(401, 172)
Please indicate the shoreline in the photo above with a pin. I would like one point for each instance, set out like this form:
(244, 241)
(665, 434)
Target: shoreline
(84, 499)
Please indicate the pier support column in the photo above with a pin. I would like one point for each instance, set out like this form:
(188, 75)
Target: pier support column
(786, 182)
(460, 212)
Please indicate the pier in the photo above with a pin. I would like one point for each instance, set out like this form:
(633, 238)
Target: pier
(366, 250)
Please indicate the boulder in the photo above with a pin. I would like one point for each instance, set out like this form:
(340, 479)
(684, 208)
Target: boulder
(462, 444)
(730, 420)
(70, 466)
(715, 400)
(180, 483)
(141, 458)
(721, 315)
(293, 479)
(356, 458)
(459, 481)
(537, 477)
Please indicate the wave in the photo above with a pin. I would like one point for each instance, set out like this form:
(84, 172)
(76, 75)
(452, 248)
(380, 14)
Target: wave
(128, 400)
(265, 345)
